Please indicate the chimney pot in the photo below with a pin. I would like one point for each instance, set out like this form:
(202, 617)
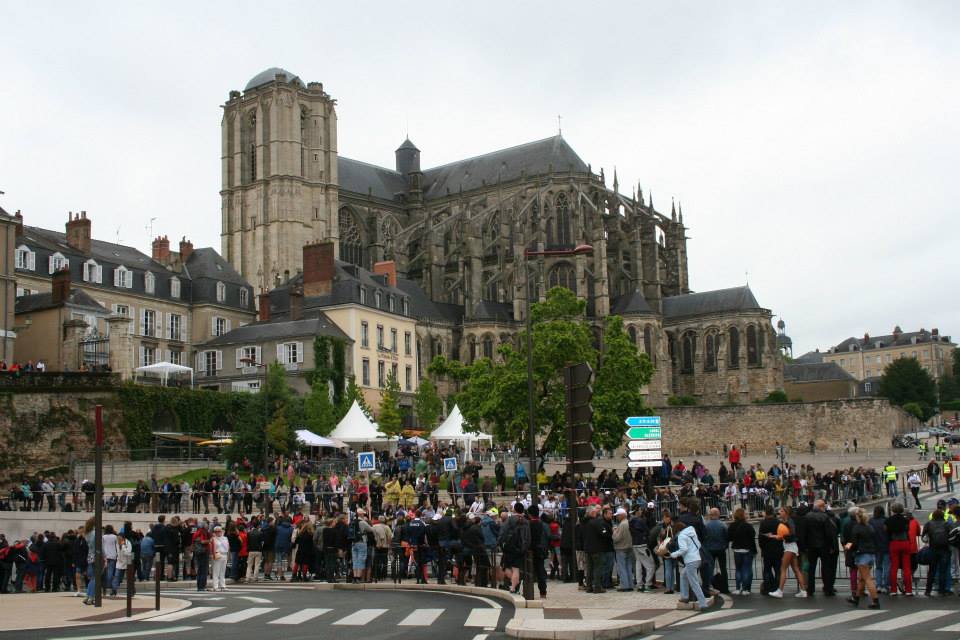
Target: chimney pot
(186, 248)
(19, 219)
(319, 269)
(264, 302)
(161, 250)
(61, 286)
(78, 232)
(296, 303)
(387, 268)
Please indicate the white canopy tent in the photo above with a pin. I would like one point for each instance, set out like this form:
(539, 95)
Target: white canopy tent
(309, 438)
(356, 427)
(452, 429)
(164, 369)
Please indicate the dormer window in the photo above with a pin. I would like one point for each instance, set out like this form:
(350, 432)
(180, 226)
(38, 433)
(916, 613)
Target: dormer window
(174, 287)
(58, 262)
(377, 299)
(243, 297)
(391, 306)
(149, 282)
(123, 277)
(221, 292)
(406, 307)
(92, 272)
(26, 259)
(363, 296)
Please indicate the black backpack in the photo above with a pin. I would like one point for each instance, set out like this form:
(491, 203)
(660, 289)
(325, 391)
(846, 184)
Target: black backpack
(255, 539)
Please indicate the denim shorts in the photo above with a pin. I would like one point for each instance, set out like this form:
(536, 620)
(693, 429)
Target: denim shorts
(865, 559)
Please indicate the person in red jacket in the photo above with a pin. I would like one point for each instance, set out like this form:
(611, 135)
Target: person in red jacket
(734, 457)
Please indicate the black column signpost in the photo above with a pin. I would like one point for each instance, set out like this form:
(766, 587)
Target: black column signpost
(98, 510)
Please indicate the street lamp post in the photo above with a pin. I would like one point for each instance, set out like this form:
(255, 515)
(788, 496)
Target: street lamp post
(580, 249)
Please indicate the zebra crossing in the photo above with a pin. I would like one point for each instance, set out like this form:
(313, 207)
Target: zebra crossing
(480, 618)
(817, 620)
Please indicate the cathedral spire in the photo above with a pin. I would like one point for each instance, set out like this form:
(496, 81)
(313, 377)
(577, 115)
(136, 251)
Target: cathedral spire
(640, 195)
(616, 182)
(652, 210)
(680, 211)
(673, 210)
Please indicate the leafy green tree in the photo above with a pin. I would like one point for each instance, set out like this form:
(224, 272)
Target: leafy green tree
(616, 392)
(914, 409)
(248, 433)
(905, 381)
(428, 405)
(281, 438)
(495, 393)
(390, 420)
(319, 413)
(265, 408)
(774, 397)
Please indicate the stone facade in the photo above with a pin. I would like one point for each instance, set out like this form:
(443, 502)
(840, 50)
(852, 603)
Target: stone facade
(873, 421)
(461, 233)
(8, 285)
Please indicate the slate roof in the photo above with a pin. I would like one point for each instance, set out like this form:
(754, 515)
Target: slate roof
(268, 75)
(707, 302)
(204, 268)
(499, 311)
(357, 177)
(903, 339)
(505, 164)
(4, 214)
(316, 325)
(39, 301)
(815, 372)
(810, 357)
(630, 304)
(423, 308)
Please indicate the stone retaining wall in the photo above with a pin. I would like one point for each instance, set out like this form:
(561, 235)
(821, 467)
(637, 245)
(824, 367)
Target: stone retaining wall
(873, 421)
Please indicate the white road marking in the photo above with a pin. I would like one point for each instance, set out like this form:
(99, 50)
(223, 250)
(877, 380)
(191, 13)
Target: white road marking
(254, 599)
(130, 634)
(240, 616)
(300, 616)
(753, 622)
(483, 618)
(361, 617)
(712, 615)
(953, 627)
(183, 613)
(420, 618)
(480, 636)
(837, 618)
(908, 620)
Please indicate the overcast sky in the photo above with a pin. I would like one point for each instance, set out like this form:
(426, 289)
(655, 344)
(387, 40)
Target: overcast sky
(812, 144)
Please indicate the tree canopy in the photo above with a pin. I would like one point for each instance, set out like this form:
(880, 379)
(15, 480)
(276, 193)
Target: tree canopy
(905, 381)
(428, 406)
(390, 418)
(616, 392)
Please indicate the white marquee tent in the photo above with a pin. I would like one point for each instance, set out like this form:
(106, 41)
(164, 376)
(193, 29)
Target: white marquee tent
(164, 369)
(311, 439)
(452, 429)
(357, 427)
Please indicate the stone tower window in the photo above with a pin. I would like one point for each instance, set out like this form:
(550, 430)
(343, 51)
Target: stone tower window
(710, 353)
(563, 226)
(733, 353)
(351, 249)
(648, 343)
(562, 275)
(488, 347)
(632, 331)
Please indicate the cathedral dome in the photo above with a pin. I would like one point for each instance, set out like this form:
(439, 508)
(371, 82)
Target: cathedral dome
(268, 75)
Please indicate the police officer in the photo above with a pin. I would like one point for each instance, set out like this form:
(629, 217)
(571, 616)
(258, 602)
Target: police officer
(890, 476)
(922, 447)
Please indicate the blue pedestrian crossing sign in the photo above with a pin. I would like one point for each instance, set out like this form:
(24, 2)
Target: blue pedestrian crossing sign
(449, 464)
(366, 461)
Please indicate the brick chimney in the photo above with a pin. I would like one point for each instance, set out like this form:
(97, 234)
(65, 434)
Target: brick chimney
(264, 302)
(161, 249)
(318, 269)
(61, 286)
(296, 303)
(78, 232)
(186, 248)
(18, 217)
(387, 268)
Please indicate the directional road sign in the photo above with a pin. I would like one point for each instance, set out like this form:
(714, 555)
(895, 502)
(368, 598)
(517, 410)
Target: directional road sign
(637, 445)
(449, 464)
(643, 421)
(366, 461)
(644, 433)
(636, 464)
(646, 455)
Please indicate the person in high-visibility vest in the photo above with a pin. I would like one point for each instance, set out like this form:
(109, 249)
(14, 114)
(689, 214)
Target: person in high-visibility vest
(922, 447)
(890, 475)
(948, 475)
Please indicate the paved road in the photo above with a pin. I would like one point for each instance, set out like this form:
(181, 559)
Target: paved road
(293, 612)
(756, 617)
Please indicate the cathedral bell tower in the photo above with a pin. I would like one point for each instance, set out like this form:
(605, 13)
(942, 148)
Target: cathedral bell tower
(279, 174)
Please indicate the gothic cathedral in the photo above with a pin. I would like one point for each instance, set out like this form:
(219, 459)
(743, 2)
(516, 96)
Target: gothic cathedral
(457, 234)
